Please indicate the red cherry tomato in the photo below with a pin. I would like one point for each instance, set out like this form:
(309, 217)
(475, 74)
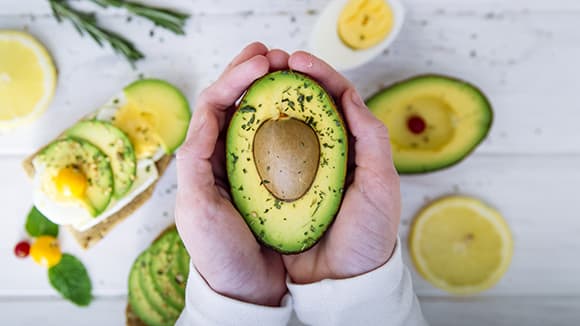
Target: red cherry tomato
(22, 249)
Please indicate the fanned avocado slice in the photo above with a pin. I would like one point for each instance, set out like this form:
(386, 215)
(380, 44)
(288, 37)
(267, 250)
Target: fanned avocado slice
(164, 104)
(163, 269)
(157, 280)
(139, 302)
(82, 156)
(183, 267)
(113, 142)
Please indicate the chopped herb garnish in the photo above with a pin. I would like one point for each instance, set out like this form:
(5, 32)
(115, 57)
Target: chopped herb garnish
(248, 108)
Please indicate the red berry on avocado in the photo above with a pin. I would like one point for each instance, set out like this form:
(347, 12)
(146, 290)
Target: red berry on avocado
(416, 124)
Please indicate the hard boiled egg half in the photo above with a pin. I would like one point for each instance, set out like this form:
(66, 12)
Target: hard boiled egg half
(349, 33)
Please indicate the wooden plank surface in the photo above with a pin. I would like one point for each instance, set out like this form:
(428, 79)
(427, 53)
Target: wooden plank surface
(526, 72)
(522, 53)
(536, 194)
(500, 311)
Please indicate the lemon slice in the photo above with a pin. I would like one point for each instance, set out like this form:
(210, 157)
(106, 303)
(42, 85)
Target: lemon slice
(27, 79)
(460, 245)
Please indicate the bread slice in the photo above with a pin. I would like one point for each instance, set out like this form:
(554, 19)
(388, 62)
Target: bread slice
(90, 237)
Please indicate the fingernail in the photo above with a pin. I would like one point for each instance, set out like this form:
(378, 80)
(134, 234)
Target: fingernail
(356, 99)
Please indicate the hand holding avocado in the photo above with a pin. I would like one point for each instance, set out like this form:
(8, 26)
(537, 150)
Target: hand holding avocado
(222, 246)
(364, 232)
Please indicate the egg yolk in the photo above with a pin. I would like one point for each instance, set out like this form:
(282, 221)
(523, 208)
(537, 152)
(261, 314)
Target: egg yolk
(71, 183)
(365, 23)
(140, 127)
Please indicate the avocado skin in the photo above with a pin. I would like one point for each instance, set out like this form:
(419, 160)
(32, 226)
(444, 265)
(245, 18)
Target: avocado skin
(486, 128)
(324, 114)
(146, 298)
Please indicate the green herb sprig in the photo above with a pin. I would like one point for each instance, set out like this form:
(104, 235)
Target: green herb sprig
(86, 23)
(166, 18)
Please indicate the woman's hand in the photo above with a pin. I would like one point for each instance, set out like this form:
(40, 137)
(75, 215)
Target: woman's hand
(221, 246)
(364, 234)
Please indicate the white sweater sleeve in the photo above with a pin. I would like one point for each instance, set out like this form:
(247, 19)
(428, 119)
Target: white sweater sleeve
(203, 306)
(381, 297)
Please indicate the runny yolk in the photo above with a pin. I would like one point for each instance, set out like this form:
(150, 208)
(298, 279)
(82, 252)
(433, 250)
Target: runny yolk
(365, 23)
(70, 182)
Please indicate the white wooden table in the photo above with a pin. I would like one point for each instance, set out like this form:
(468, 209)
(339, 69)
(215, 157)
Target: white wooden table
(525, 54)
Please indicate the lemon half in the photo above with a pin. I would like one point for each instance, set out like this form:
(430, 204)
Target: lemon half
(460, 245)
(27, 79)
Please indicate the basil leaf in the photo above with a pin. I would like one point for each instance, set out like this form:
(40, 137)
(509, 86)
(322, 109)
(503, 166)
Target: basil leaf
(37, 224)
(70, 278)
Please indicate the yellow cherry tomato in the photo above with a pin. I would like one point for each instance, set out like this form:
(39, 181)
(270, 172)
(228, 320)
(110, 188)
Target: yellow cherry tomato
(45, 251)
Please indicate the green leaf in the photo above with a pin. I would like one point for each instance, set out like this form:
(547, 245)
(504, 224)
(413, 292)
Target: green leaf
(37, 224)
(70, 278)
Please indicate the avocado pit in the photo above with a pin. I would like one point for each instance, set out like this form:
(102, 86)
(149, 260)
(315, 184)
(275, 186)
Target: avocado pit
(286, 154)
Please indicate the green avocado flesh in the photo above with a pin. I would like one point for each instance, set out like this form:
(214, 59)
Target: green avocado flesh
(286, 155)
(167, 104)
(157, 281)
(434, 121)
(90, 160)
(115, 144)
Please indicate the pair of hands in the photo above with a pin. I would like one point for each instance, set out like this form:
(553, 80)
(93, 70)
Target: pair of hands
(222, 247)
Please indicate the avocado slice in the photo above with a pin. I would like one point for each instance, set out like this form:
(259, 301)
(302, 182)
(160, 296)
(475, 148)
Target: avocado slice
(113, 142)
(164, 104)
(183, 268)
(286, 154)
(434, 121)
(155, 296)
(90, 161)
(139, 300)
(164, 268)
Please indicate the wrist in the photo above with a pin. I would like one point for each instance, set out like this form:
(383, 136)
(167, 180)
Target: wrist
(260, 294)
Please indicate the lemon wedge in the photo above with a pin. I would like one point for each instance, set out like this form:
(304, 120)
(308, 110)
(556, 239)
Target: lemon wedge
(27, 79)
(460, 245)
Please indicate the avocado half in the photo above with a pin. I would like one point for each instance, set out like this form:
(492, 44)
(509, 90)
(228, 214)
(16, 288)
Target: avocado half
(434, 121)
(286, 155)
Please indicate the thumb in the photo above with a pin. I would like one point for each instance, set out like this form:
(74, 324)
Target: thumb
(372, 145)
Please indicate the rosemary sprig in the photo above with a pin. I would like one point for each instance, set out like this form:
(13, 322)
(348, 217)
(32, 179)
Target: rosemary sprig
(87, 23)
(166, 18)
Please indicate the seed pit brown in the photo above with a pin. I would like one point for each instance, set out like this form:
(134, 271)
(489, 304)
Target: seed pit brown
(286, 154)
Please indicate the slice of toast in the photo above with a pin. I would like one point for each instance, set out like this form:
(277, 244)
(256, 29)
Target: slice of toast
(88, 238)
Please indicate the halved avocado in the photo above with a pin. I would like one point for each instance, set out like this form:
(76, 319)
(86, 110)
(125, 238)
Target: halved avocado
(90, 161)
(164, 105)
(286, 154)
(113, 142)
(434, 121)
